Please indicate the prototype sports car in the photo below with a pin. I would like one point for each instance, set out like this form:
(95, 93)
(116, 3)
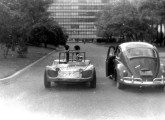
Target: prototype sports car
(135, 64)
(71, 67)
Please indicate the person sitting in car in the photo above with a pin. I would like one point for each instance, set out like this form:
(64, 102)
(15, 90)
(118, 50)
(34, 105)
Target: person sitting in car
(79, 58)
(67, 52)
(77, 48)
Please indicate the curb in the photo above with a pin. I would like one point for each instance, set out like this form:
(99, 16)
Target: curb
(25, 68)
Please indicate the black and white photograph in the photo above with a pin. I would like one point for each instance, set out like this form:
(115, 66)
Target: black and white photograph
(82, 59)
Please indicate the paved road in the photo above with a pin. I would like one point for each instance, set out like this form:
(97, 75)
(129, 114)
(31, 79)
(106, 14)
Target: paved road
(25, 97)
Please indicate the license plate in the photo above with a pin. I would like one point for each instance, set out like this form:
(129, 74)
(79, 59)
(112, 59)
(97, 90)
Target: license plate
(146, 73)
(69, 75)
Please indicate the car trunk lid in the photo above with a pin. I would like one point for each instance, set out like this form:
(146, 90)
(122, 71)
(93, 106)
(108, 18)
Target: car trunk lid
(145, 68)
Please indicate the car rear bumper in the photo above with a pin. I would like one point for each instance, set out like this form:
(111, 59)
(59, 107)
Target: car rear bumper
(139, 82)
(71, 80)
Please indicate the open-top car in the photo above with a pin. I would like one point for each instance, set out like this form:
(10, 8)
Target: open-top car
(135, 64)
(70, 67)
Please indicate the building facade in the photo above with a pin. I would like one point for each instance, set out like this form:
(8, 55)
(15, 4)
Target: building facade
(77, 17)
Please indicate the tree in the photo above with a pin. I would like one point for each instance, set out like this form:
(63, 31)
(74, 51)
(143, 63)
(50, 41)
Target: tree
(47, 34)
(19, 17)
(123, 19)
(46, 29)
(8, 25)
(33, 12)
(152, 11)
(149, 14)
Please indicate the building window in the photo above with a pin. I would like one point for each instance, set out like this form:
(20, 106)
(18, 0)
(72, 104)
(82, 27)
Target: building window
(77, 16)
(75, 26)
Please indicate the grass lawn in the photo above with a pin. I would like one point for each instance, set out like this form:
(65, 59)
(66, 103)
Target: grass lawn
(12, 64)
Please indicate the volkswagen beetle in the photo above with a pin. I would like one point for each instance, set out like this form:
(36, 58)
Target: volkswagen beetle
(135, 64)
(70, 67)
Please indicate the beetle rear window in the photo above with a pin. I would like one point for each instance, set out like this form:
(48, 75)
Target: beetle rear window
(140, 52)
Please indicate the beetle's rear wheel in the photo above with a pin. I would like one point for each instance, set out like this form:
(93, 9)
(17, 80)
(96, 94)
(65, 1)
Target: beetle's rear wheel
(47, 84)
(162, 87)
(93, 82)
(119, 85)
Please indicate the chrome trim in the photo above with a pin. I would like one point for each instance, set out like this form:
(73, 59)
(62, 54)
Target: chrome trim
(57, 79)
(133, 80)
(162, 79)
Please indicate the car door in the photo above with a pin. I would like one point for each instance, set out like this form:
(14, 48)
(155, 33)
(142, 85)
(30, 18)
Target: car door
(110, 61)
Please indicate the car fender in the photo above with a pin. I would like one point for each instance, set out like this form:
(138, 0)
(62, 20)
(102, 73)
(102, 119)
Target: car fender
(161, 70)
(49, 68)
(93, 68)
(120, 68)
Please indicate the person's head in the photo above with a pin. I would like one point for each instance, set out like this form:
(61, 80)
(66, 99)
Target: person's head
(66, 47)
(77, 47)
(79, 58)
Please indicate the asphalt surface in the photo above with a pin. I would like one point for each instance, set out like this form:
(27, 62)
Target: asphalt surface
(25, 98)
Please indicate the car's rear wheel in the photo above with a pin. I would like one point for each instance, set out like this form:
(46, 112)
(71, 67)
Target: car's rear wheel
(119, 85)
(93, 82)
(47, 84)
(162, 87)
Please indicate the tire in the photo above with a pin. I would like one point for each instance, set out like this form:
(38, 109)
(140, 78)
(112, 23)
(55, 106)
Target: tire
(93, 82)
(47, 84)
(162, 87)
(118, 84)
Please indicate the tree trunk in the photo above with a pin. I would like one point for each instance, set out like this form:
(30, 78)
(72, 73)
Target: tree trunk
(45, 45)
(161, 33)
(157, 34)
(5, 52)
(152, 31)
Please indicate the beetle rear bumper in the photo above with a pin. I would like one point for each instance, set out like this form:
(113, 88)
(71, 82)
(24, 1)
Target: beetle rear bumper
(139, 82)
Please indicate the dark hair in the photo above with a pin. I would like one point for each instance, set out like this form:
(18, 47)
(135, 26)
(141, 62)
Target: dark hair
(76, 47)
(66, 47)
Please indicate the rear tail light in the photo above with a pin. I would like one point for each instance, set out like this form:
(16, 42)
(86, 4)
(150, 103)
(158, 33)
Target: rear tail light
(125, 73)
(57, 69)
(52, 73)
(80, 70)
(87, 73)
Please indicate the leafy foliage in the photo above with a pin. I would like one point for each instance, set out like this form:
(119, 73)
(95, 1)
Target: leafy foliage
(21, 17)
(53, 34)
(131, 21)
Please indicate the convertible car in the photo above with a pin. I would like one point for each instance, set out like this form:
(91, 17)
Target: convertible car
(135, 64)
(70, 67)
